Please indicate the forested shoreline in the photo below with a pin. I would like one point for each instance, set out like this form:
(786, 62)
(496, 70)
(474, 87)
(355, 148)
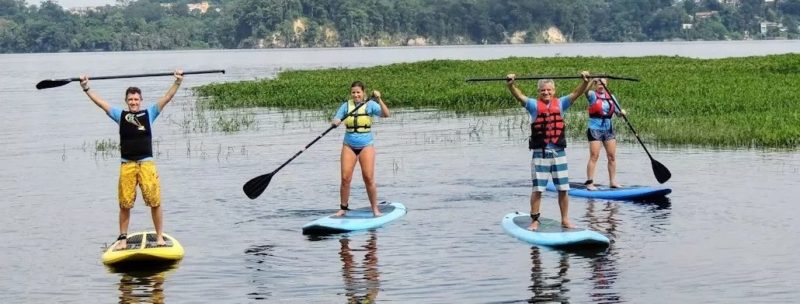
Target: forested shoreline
(168, 25)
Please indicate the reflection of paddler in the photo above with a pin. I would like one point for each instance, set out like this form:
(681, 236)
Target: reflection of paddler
(143, 287)
(544, 291)
(370, 284)
(596, 222)
(604, 271)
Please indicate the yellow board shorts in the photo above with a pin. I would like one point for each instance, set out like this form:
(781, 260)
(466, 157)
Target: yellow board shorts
(144, 174)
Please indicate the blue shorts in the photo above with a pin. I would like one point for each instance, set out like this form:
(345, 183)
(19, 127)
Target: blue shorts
(601, 135)
(547, 165)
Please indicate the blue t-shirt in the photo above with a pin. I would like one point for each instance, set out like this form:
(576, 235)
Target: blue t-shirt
(359, 140)
(600, 123)
(532, 106)
(116, 114)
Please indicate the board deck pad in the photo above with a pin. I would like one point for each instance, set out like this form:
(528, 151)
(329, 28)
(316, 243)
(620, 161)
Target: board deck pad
(546, 225)
(366, 212)
(135, 242)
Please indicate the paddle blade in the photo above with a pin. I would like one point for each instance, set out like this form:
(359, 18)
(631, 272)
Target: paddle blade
(254, 187)
(661, 172)
(51, 83)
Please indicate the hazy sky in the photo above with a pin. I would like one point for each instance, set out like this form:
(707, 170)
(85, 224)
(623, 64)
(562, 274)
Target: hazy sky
(76, 3)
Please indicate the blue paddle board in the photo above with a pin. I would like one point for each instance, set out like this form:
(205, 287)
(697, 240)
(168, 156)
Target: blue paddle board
(551, 234)
(630, 193)
(355, 220)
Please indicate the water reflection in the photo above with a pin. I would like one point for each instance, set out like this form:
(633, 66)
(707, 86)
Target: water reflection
(604, 275)
(258, 256)
(604, 217)
(143, 286)
(361, 283)
(599, 216)
(548, 288)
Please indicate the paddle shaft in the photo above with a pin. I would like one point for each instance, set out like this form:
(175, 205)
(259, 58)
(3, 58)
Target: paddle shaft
(149, 75)
(52, 83)
(316, 139)
(551, 77)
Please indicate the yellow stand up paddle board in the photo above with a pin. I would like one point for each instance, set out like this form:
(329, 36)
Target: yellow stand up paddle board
(143, 251)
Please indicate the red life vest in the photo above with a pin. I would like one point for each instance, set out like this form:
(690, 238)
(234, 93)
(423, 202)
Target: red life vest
(596, 108)
(548, 127)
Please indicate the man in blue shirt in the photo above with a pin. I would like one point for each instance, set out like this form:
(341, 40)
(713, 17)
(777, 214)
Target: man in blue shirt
(547, 142)
(136, 149)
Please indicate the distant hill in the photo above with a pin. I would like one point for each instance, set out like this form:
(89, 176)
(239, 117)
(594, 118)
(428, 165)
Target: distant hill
(162, 25)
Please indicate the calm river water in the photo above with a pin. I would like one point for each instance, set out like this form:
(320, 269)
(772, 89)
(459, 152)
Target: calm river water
(727, 233)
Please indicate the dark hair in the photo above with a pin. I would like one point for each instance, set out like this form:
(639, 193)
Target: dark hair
(358, 84)
(132, 90)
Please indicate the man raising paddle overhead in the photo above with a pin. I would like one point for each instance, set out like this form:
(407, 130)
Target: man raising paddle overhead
(136, 150)
(547, 142)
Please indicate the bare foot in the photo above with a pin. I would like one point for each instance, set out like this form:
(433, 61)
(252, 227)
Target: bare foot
(567, 224)
(122, 244)
(377, 212)
(340, 213)
(616, 185)
(591, 187)
(534, 226)
(160, 241)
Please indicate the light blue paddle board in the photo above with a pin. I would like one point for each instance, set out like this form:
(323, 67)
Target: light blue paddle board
(551, 234)
(625, 193)
(355, 220)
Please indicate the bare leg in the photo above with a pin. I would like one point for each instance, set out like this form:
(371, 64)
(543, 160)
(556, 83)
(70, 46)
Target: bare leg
(594, 155)
(348, 160)
(611, 154)
(124, 220)
(155, 212)
(536, 204)
(563, 203)
(367, 160)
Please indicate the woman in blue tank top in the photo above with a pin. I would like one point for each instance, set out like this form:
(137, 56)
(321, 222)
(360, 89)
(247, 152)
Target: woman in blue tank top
(357, 114)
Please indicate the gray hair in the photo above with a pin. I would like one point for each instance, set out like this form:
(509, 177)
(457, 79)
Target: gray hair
(543, 82)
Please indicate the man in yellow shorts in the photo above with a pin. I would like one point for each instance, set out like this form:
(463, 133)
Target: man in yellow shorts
(136, 149)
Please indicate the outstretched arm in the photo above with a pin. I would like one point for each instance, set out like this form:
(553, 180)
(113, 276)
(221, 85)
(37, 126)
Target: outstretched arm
(580, 89)
(99, 101)
(514, 90)
(172, 90)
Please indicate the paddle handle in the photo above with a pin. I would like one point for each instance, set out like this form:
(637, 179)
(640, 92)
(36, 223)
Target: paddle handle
(150, 75)
(551, 77)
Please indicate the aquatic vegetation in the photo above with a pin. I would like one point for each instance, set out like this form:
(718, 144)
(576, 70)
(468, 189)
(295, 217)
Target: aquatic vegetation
(737, 102)
(106, 145)
(199, 119)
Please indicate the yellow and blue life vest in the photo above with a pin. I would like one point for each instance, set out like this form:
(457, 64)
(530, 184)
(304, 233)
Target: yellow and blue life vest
(358, 122)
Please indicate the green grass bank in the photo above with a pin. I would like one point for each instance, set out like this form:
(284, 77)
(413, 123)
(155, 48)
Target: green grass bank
(750, 102)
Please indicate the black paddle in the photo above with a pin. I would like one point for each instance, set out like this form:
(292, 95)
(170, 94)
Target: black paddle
(254, 187)
(551, 77)
(52, 83)
(661, 171)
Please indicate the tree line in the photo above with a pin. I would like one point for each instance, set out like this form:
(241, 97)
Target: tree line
(132, 25)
